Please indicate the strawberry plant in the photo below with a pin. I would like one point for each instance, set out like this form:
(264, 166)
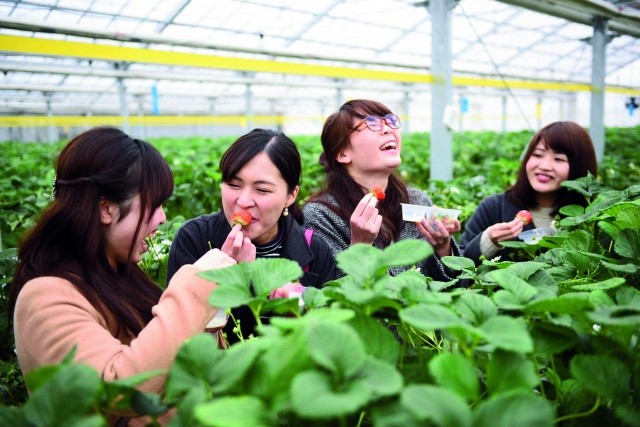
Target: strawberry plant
(548, 341)
(551, 335)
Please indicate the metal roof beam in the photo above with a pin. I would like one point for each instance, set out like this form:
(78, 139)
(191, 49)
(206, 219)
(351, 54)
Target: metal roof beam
(620, 19)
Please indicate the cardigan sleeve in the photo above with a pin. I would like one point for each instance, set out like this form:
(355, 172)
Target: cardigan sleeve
(52, 316)
(334, 230)
(488, 212)
(188, 245)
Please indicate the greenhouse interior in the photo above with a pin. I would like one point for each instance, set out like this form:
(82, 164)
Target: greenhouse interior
(185, 67)
(414, 324)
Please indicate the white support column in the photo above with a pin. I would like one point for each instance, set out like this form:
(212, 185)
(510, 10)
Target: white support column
(52, 134)
(599, 48)
(539, 109)
(141, 127)
(441, 159)
(122, 90)
(503, 118)
(406, 124)
(249, 100)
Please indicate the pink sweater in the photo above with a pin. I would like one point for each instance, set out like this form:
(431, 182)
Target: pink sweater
(51, 316)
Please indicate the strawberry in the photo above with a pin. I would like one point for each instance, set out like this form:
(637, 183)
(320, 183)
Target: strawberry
(524, 216)
(378, 192)
(243, 218)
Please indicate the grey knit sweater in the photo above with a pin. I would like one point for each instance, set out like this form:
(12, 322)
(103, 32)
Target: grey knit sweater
(336, 231)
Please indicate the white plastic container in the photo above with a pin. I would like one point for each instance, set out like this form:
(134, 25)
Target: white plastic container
(413, 213)
(532, 237)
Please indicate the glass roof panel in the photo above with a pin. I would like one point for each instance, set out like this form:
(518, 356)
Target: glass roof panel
(490, 38)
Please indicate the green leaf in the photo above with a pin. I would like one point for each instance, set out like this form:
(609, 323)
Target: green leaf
(314, 395)
(614, 282)
(628, 244)
(282, 359)
(69, 394)
(236, 411)
(508, 333)
(235, 275)
(602, 374)
(565, 304)
(235, 364)
(193, 366)
(475, 308)
(588, 185)
(456, 373)
(405, 252)
(627, 215)
(381, 377)
(430, 317)
(336, 347)
(458, 263)
(377, 340)
(267, 274)
(14, 416)
(512, 283)
(628, 296)
(359, 261)
(508, 371)
(616, 316)
(620, 268)
(438, 405)
(515, 409)
(506, 300)
(572, 210)
(549, 338)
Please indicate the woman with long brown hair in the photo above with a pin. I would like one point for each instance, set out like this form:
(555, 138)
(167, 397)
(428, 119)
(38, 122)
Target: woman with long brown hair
(77, 282)
(362, 145)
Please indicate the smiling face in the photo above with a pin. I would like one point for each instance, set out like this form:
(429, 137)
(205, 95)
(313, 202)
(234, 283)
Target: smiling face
(371, 155)
(260, 189)
(546, 169)
(120, 232)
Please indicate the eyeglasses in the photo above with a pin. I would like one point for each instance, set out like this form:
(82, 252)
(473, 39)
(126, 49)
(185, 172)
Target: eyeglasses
(376, 123)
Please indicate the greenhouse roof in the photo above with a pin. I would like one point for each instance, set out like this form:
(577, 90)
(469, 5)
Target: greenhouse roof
(73, 54)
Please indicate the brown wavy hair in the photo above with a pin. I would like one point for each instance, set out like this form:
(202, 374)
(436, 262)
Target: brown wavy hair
(339, 184)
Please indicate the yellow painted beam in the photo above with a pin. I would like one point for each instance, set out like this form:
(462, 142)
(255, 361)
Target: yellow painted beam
(65, 48)
(27, 45)
(79, 121)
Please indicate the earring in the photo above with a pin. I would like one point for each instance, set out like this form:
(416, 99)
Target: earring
(285, 212)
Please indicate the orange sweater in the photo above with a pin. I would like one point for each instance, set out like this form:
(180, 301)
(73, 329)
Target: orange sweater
(51, 316)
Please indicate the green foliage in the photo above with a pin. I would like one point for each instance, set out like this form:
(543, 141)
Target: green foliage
(551, 341)
(548, 340)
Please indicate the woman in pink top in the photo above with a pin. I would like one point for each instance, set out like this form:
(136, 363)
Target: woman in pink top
(77, 282)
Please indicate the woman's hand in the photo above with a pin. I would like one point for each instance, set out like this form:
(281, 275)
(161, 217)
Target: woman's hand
(365, 221)
(213, 260)
(438, 232)
(239, 247)
(504, 230)
(288, 290)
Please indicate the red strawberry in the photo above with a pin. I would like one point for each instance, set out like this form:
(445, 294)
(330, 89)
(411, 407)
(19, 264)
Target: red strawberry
(378, 192)
(243, 218)
(524, 216)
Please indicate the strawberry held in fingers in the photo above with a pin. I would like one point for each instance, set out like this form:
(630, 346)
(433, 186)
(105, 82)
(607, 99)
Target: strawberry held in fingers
(243, 218)
(524, 216)
(378, 192)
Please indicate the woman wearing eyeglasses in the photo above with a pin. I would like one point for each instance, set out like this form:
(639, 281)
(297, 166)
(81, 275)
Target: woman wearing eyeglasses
(362, 145)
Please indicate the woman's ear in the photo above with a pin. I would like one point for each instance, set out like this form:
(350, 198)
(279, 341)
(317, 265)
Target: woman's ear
(291, 198)
(344, 156)
(108, 211)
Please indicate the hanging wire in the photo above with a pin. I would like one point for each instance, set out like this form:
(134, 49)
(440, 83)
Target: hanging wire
(495, 66)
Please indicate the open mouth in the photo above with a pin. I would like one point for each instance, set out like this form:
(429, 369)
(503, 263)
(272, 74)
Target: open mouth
(391, 145)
